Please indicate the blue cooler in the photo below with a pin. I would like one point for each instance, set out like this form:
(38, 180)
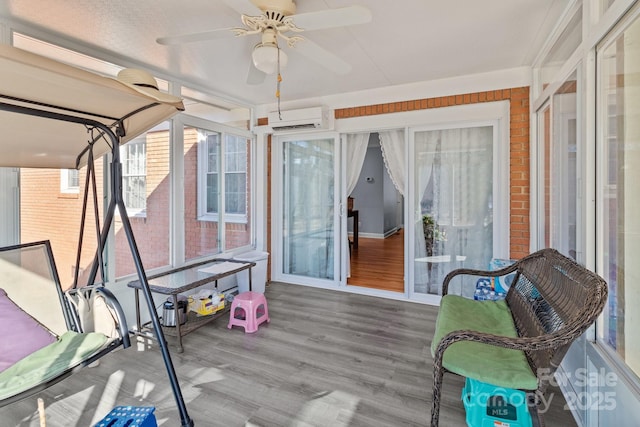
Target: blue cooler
(129, 416)
(489, 406)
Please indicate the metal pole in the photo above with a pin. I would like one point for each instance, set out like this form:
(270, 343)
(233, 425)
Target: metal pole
(116, 199)
(116, 171)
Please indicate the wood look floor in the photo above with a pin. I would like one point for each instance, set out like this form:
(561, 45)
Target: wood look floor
(326, 359)
(379, 263)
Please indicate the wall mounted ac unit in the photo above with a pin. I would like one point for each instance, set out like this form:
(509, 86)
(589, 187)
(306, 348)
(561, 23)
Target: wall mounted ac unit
(304, 118)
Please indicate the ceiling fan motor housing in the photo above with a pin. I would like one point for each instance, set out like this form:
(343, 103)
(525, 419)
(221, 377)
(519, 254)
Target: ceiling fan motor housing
(276, 7)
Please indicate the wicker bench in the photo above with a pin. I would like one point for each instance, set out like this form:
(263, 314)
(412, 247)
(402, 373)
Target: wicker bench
(520, 341)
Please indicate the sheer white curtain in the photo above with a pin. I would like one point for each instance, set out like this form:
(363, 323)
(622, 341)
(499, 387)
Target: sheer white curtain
(393, 153)
(454, 185)
(356, 152)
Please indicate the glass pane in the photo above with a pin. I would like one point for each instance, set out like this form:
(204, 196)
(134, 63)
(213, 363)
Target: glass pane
(133, 157)
(309, 208)
(73, 178)
(605, 5)
(146, 191)
(619, 103)
(212, 171)
(563, 48)
(48, 214)
(544, 202)
(453, 224)
(563, 169)
(237, 192)
(212, 142)
(212, 193)
(61, 222)
(201, 192)
(214, 109)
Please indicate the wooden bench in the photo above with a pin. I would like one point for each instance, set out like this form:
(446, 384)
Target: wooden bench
(520, 341)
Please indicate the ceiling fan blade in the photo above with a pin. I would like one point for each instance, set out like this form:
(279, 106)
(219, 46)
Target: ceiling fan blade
(323, 57)
(196, 37)
(244, 7)
(254, 76)
(333, 18)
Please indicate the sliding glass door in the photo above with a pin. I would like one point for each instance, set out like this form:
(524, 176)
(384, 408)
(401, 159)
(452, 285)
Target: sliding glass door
(308, 221)
(454, 174)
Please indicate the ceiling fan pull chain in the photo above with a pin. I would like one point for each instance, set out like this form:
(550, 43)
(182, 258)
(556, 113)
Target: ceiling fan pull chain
(278, 84)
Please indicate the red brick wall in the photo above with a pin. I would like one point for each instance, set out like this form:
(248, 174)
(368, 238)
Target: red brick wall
(151, 231)
(48, 214)
(201, 237)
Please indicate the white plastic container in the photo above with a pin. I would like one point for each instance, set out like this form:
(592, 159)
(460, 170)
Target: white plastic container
(258, 273)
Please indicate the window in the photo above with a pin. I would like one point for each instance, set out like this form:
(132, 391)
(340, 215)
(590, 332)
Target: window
(236, 176)
(561, 172)
(210, 180)
(216, 190)
(134, 176)
(69, 181)
(618, 197)
(564, 46)
(234, 152)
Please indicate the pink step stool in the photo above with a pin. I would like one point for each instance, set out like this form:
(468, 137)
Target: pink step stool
(254, 306)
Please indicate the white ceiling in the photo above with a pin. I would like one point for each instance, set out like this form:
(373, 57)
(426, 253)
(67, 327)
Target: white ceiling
(407, 41)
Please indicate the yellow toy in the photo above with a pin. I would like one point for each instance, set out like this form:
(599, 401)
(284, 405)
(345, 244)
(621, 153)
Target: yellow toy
(206, 303)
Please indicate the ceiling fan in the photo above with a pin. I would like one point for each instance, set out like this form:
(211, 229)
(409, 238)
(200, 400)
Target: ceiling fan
(277, 18)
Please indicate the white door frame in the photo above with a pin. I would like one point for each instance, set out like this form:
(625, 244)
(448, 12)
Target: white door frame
(277, 225)
(440, 117)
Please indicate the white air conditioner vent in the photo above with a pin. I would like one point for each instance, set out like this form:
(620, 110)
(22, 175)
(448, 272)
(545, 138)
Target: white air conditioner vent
(305, 118)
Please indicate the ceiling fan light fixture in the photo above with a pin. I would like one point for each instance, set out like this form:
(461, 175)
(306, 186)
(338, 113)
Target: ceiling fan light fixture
(265, 58)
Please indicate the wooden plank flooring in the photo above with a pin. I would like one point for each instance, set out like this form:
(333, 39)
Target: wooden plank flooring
(326, 359)
(379, 263)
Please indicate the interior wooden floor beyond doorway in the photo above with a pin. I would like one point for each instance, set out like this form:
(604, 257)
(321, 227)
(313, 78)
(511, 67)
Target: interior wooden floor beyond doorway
(379, 263)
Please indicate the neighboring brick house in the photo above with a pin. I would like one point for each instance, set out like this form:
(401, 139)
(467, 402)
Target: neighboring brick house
(49, 211)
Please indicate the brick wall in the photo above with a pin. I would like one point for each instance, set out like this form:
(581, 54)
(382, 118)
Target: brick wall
(201, 237)
(152, 230)
(48, 214)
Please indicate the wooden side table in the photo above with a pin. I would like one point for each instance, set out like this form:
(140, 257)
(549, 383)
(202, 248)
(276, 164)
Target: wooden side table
(354, 213)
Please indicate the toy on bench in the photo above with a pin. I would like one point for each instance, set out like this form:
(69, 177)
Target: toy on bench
(518, 342)
(494, 288)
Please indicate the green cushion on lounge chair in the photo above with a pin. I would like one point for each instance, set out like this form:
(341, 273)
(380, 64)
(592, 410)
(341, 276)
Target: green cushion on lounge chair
(487, 363)
(50, 361)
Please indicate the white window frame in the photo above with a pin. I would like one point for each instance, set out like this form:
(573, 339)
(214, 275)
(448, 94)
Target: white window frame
(135, 211)
(203, 215)
(65, 186)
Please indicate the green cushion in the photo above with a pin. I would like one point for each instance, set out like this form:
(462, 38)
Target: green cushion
(487, 363)
(49, 362)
